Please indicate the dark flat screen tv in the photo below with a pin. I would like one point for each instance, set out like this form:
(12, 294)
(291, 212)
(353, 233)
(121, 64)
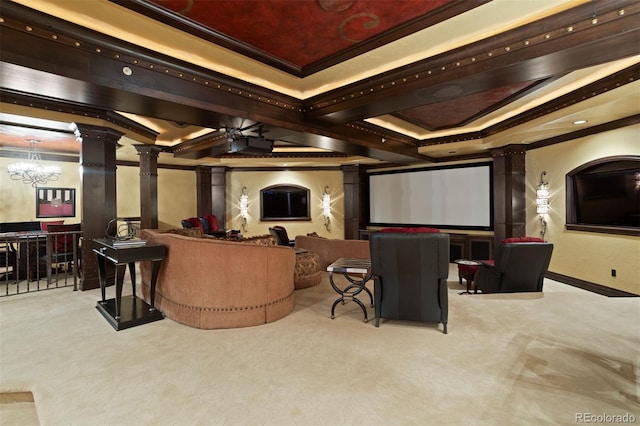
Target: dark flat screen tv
(608, 198)
(284, 202)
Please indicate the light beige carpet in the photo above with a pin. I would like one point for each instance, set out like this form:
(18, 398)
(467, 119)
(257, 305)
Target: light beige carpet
(512, 359)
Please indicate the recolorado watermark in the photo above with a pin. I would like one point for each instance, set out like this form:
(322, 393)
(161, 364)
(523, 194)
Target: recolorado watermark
(605, 418)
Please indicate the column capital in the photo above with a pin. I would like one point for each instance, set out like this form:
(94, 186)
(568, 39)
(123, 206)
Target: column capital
(106, 134)
(147, 149)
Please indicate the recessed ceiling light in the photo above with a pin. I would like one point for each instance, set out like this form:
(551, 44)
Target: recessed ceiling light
(579, 122)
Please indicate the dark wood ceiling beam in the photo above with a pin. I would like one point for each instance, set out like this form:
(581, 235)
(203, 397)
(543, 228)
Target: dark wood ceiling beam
(382, 146)
(97, 80)
(23, 79)
(208, 145)
(113, 75)
(556, 45)
(32, 101)
(380, 152)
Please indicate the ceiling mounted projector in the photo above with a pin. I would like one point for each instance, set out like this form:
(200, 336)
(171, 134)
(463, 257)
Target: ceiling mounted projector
(253, 145)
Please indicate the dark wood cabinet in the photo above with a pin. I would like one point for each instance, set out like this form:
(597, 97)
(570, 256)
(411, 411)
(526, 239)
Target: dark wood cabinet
(461, 246)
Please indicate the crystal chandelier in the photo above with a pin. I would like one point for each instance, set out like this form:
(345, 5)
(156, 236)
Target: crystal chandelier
(32, 172)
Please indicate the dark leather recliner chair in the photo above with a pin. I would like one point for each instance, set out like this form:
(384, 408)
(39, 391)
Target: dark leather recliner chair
(410, 272)
(518, 267)
(281, 236)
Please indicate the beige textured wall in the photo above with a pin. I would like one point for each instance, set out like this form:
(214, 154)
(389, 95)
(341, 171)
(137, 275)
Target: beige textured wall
(177, 198)
(18, 200)
(314, 180)
(128, 191)
(584, 255)
(176, 195)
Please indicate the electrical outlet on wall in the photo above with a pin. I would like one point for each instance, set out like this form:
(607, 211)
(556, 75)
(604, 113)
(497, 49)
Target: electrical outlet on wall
(613, 272)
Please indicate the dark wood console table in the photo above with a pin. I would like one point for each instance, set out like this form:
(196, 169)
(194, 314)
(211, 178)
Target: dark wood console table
(130, 311)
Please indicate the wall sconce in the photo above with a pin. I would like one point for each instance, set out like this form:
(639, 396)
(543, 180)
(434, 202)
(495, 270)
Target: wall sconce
(542, 202)
(326, 208)
(244, 208)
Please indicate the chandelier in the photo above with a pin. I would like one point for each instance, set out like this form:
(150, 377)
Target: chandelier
(32, 172)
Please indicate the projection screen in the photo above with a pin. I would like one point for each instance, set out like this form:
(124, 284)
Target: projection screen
(447, 197)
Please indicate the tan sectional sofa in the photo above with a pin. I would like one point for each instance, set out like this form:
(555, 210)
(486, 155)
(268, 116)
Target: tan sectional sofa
(209, 283)
(332, 249)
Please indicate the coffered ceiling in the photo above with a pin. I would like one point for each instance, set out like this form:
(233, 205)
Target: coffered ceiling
(330, 81)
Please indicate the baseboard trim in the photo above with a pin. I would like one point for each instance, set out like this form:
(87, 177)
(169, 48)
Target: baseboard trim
(589, 286)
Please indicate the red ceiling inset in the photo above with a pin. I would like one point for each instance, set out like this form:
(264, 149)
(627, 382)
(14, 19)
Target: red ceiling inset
(460, 111)
(302, 32)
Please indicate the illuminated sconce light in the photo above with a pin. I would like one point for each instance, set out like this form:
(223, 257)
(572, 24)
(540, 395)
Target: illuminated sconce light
(542, 203)
(326, 208)
(244, 208)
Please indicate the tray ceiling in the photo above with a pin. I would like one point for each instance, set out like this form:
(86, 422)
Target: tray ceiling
(396, 81)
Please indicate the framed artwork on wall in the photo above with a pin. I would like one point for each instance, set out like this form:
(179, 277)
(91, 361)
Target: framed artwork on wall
(55, 202)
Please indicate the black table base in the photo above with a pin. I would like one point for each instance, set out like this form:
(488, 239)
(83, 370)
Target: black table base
(133, 311)
(349, 268)
(125, 312)
(350, 293)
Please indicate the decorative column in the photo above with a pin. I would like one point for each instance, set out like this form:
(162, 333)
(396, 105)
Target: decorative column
(509, 186)
(148, 185)
(98, 181)
(203, 190)
(356, 200)
(211, 192)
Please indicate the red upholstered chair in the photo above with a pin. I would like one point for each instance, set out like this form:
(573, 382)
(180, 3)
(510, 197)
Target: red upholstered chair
(45, 225)
(519, 266)
(62, 243)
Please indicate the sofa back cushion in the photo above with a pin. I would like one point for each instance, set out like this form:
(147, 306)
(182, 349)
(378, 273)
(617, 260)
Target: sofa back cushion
(331, 249)
(265, 240)
(189, 232)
